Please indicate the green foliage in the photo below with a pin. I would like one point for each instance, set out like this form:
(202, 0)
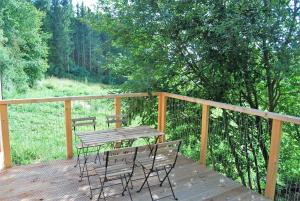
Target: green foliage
(75, 48)
(37, 131)
(23, 50)
(60, 44)
(240, 52)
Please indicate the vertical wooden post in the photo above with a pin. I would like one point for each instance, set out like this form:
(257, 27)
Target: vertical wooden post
(159, 113)
(118, 112)
(5, 136)
(68, 123)
(273, 159)
(162, 110)
(118, 118)
(204, 133)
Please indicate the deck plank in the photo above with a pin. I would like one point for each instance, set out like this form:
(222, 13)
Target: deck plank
(58, 180)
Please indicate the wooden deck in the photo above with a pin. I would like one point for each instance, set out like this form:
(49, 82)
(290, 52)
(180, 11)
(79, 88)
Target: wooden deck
(58, 180)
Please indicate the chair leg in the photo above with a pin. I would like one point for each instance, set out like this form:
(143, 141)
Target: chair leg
(127, 182)
(78, 159)
(124, 189)
(98, 155)
(127, 187)
(157, 173)
(84, 164)
(146, 179)
(170, 183)
(167, 175)
(131, 183)
(149, 190)
(101, 191)
(88, 177)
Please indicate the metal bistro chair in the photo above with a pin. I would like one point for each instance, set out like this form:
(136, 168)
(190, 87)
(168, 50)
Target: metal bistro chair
(83, 122)
(119, 165)
(111, 119)
(163, 157)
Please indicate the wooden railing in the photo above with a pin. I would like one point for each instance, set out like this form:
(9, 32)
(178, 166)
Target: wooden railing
(276, 118)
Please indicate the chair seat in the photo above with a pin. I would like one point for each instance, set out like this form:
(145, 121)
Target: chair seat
(114, 170)
(161, 161)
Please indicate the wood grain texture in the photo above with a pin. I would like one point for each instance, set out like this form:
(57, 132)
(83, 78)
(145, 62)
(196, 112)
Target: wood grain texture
(73, 98)
(93, 138)
(118, 112)
(118, 122)
(162, 114)
(58, 180)
(250, 111)
(273, 159)
(68, 124)
(5, 136)
(204, 133)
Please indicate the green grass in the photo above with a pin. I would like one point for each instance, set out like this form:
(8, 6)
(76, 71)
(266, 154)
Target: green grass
(37, 131)
(57, 87)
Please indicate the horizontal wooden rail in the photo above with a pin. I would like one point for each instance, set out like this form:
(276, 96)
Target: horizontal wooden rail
(251, 111)
(73, 98)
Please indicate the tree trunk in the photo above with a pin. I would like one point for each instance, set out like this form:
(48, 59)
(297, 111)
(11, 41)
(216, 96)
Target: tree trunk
(233, 150)
(90, 53)
(83, 50)
(255, 163)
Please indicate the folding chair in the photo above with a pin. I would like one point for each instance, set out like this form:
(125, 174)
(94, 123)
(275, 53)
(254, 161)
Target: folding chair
(83, 122)
(122, 119)
(119, 165)
(163, 157)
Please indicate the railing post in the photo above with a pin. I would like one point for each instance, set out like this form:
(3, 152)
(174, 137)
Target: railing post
(118, 117)
(159, 113)
(204, 133)
(273, 159)
(68, 123)
(118, 112)
(5, 136)
(162, 110)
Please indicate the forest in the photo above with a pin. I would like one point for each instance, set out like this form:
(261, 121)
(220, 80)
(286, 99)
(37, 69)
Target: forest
(49, 38)
(244, 53)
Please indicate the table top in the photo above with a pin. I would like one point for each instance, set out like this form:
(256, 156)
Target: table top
(93, 138)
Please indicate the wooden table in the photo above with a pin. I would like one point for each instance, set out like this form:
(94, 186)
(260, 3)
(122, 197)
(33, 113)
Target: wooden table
(97, 138)
(101, 137)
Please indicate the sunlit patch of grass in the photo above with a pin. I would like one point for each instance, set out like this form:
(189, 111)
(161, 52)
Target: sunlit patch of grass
(37, 131)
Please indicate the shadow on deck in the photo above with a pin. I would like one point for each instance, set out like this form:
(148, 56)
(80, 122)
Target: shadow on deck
(58, 180)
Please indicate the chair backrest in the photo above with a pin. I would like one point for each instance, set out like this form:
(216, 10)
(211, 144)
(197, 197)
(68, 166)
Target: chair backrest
(166, 151)
(123, 119)
(146, 151)
(84, 121)
(119, 157)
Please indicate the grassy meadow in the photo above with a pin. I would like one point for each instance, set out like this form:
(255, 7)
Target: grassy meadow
(37, 131)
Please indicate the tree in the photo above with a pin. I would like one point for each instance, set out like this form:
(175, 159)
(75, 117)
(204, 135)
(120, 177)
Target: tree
(60, 44)
(23, 45)
(238, 52)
